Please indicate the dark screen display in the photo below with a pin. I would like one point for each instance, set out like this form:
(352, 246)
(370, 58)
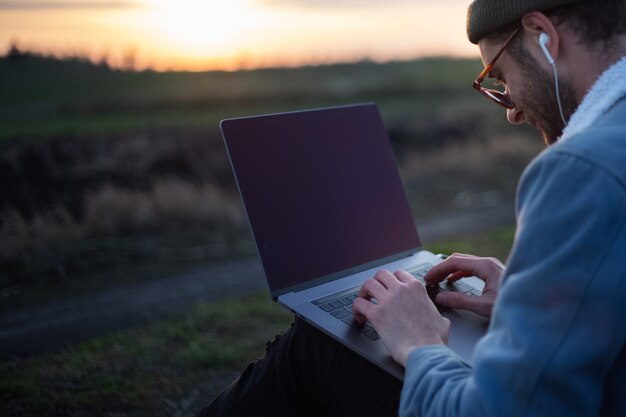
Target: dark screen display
(321, 190)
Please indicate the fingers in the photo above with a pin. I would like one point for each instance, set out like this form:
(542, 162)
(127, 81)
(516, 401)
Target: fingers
(386, 278)
(372, 289)
(404, 276)
(478, 305)
(455, 276)
(454, 263)
(465, 265)
(378, 285)
(362, 309)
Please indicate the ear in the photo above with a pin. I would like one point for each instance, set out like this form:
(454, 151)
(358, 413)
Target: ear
(534, 25)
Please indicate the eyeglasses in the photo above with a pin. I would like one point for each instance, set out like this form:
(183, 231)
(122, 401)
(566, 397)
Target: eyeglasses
(499, 97)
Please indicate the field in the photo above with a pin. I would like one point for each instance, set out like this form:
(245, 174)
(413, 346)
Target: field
(169, 368)
(109, 178)
(124, 175)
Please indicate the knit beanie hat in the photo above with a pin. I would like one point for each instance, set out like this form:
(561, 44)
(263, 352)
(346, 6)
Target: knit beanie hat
(483, 16)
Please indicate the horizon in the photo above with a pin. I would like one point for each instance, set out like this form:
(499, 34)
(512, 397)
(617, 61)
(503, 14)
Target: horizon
(196, 35)
(86, 60)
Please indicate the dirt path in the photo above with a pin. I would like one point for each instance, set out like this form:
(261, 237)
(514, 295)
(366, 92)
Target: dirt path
(58, 324)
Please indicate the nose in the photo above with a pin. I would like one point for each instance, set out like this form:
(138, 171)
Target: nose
(515, 116)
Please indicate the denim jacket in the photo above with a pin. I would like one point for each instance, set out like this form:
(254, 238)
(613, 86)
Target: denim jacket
(556, 345)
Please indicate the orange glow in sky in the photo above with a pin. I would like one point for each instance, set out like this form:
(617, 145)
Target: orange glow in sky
(231, 34)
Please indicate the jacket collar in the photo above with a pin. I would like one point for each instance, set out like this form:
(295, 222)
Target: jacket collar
(605, 93)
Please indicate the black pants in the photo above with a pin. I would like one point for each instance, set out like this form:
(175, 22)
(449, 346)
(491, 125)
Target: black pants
(306, 373)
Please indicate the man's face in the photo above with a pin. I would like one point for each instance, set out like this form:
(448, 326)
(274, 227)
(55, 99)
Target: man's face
(531, 87)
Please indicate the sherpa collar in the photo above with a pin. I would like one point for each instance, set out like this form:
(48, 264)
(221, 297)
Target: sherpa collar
(606, 91)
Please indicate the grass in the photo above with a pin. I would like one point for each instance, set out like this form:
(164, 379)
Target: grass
(101, 169)
(89, 265)
(44, 97)
(120, 176)
(169, 368)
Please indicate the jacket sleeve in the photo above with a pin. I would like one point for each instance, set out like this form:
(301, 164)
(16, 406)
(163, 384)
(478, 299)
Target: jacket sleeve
(559, 321)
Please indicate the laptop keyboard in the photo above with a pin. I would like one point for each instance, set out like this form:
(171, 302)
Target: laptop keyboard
(339, 305)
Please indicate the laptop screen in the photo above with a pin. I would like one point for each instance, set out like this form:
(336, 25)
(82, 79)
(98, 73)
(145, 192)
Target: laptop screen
(321, 190)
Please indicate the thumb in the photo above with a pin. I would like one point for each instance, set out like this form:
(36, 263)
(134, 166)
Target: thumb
(460, 301)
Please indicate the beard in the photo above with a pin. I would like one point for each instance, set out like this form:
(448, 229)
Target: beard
(540, 101)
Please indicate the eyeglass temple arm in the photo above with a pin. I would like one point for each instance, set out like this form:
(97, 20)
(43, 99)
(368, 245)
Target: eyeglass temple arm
(489, 66)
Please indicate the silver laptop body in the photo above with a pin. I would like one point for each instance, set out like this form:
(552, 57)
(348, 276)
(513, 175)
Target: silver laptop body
(327, 209)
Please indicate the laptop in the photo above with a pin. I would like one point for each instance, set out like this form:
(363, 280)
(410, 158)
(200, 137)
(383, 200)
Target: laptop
(327, 210)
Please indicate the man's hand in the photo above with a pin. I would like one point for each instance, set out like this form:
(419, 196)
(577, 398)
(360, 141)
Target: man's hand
(402, 314)
(457, 266)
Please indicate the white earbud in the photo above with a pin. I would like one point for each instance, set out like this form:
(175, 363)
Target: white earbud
(543, 42)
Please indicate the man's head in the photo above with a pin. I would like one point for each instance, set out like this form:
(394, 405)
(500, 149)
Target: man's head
(583, 37)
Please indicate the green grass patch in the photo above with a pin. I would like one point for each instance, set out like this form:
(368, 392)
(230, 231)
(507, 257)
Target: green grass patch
(167, 368)
(171, 367)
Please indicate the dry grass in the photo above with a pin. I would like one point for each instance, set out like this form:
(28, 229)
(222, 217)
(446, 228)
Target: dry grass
(116, 211)
(126, 181)
(93, 211)
(112, 210)
(69, 188)
(481, 158)
(468, 173)
(437, 179)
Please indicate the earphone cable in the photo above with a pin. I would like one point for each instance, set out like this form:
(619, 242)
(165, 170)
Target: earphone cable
(558, 96)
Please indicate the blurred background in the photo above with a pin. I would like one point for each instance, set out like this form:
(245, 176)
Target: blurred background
(120, 224)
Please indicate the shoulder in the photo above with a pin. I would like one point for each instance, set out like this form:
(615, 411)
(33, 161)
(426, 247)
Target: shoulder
(602, 145)
(573, 195)
(595, 154)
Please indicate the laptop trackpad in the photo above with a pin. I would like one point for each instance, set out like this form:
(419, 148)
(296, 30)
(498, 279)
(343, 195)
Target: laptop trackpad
(465, 331)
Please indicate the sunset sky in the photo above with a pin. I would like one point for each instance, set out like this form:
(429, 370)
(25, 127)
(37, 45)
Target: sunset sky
(232, 34)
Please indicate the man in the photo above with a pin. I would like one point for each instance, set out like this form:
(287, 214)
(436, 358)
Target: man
(557, 339)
